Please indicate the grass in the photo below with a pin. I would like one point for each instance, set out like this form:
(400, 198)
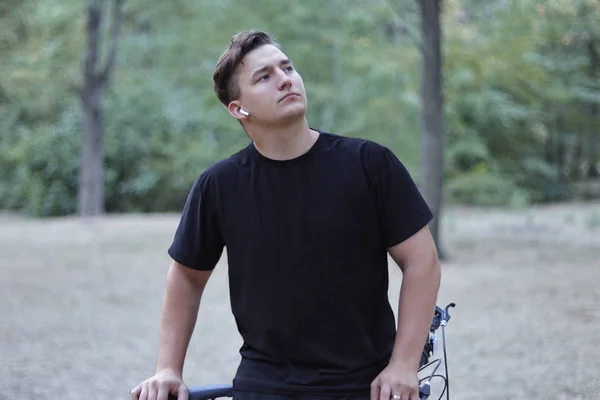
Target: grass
(81, 304)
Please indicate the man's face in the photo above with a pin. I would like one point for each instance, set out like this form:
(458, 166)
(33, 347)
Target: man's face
(270, 88)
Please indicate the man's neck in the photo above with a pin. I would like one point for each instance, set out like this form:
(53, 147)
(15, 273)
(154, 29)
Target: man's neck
(285, 143)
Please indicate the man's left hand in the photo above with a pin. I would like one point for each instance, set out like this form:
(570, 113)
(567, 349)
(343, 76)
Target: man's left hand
(398, 381)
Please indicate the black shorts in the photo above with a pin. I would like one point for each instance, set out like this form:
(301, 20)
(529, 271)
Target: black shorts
(267, 396)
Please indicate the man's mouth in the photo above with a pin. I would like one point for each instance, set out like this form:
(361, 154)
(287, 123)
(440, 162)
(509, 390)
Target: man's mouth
(288, 95)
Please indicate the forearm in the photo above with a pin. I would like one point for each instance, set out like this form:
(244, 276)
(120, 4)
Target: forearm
(416, 306)
(178, 319)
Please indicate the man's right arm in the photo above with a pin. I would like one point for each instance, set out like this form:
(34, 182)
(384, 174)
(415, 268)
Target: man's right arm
(179, 312)
(196, 249)
(181, 302)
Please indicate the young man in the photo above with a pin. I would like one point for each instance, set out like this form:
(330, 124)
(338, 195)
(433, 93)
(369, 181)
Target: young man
(308, 219)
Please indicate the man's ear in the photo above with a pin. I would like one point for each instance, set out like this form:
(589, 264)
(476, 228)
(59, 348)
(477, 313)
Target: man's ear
(237, 111)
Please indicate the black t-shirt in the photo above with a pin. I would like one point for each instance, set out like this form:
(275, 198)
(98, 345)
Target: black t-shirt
(306, 244)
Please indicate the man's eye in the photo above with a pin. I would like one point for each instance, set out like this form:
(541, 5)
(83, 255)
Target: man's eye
(263, 77)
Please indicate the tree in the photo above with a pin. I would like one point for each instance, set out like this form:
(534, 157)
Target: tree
(428, 42)
(432, 127)
(521, 95)
(90, 200)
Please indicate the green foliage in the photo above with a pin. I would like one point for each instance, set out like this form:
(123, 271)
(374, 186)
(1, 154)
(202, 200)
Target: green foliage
(519, 91)
(39, 170)
(505, 94)
(485, 189)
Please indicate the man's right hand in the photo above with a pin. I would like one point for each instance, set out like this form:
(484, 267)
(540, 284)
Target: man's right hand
(159, 386)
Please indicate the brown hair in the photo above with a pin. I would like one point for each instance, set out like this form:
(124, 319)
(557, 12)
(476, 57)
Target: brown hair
(224, 83)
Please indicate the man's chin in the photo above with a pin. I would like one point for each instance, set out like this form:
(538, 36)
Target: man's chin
(289, 117)
(295, 112)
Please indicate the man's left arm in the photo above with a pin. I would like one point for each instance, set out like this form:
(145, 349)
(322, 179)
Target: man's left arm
(403, 218)
(421, 275)
(417, 258)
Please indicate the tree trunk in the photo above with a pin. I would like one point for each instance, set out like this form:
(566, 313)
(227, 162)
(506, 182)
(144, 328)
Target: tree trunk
(329, 111)
(594, 133)
(593, 136)
(560, 147)
(549, 147)
(90, 201)
(432, 129)
(576, 173)
(91, 172)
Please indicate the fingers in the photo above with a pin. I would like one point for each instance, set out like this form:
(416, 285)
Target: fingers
(160, 387)
(183, 393)
(135, 392)
(144, 393)
(385, 393)
(152, 392)
(162, 393)
(397, 392)
(414, 394)
(374, 391)
(404, 393)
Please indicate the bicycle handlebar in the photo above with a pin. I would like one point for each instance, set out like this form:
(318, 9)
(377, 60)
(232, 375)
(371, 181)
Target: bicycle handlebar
(211, 392)
(208, 392)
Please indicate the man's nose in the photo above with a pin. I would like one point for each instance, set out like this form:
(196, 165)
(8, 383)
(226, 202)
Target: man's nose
(284, 80)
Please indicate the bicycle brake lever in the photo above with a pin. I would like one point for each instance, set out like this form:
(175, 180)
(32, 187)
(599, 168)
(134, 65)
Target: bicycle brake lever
(438, 316)
(446, 313)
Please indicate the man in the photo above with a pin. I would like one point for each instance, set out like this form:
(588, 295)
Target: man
(308, 219)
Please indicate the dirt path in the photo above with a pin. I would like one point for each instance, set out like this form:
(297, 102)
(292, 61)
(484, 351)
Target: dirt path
(80, 306)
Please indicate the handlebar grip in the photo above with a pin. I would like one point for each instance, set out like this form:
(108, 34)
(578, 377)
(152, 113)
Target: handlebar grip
(208, 392)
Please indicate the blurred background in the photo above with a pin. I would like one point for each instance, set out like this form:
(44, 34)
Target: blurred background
(107, 109)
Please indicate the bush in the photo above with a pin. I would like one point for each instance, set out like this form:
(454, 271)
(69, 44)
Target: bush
(150, 160)
(484, 189)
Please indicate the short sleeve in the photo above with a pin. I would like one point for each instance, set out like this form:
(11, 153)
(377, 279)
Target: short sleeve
(198, 241)
(402, 210)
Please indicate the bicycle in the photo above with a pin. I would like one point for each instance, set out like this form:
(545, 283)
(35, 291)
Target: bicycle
(440, 319)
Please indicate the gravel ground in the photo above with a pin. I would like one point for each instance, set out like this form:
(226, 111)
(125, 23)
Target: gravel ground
(80, 304)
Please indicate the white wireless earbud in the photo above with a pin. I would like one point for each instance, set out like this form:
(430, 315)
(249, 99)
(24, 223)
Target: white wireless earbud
(244, 112)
